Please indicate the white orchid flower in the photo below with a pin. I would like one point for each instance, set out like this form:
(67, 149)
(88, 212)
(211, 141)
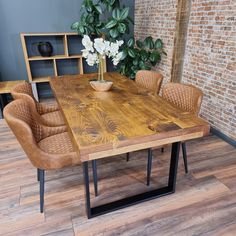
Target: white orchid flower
(107, 47)
(99, 45)
(92, 59)
(117, 58)
(101, 48)
(120, 43)
(87, 43)
(85, 53)
(114, 49)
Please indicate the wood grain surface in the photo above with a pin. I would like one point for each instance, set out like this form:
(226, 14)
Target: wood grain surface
(125, 119)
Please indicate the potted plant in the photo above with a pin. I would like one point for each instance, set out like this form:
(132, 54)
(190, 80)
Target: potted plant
(112, 18)
(95, 53)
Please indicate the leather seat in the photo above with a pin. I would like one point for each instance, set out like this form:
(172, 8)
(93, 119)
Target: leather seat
(47, 148)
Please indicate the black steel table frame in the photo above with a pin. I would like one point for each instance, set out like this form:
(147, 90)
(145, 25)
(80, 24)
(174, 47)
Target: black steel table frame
(129, 201)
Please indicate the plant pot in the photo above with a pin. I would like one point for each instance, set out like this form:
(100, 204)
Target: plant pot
(101, 86)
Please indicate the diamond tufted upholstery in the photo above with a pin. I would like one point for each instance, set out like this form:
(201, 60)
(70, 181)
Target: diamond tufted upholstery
(150, 80)
(51, 115)
(46, 147)
(185, 97)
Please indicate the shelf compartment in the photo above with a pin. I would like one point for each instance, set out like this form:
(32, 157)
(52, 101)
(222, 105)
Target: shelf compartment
(74, 44)
(70, 66)
(57, 42)
(42, 70)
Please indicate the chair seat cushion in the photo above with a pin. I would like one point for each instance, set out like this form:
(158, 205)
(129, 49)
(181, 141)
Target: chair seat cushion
(54, 118)
(57, 144)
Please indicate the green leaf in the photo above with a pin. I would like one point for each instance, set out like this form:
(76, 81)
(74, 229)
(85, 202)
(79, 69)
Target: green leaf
(141, 64)
(159, 44)
(124, 13)
(148, 42)
(81, 29)
(75, 26)
(98, 9)
(135, 62)
(144, 55)
(116, 14)
(114, 33)
(139, 43)
(111, 24)
(131, 42)
(122, 28)
(131, 53)
(89, 19)
(155, 57)
(124, 55)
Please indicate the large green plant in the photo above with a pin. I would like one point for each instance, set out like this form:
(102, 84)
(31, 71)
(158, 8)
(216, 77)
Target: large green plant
(137, 55)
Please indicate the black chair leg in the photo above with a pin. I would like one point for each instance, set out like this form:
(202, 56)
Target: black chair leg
(3, 103)
(41, 189)
(149, 166)
(162, 150)
(185, 157)
(127, 157)
(38, 176)
(95, 177)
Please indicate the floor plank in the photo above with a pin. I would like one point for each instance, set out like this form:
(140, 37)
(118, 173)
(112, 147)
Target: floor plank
(204, 202)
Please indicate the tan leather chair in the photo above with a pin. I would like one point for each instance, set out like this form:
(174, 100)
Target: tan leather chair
(187, 98)
(150, 80)
(47, 148)
(50, 114)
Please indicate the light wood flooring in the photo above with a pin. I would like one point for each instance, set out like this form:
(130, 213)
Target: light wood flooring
(204, 202)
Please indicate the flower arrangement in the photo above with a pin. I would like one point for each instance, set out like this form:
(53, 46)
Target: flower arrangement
(95, 52)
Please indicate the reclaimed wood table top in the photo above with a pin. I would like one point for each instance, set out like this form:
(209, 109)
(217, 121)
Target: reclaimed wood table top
(126, 118)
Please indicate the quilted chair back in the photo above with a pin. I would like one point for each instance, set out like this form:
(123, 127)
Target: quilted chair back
(19, 115)
(186, 97)
(150, 80)
(24, 91)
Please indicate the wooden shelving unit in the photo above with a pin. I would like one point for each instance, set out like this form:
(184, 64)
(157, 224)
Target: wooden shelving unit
(67, 55)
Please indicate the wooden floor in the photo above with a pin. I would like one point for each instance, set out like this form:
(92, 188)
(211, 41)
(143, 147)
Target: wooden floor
(204, 202)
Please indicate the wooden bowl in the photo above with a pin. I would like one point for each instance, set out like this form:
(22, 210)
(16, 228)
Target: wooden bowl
(101, 86)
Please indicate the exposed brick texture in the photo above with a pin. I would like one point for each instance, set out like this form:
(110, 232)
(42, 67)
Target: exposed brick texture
(210, 57)
(158, 19)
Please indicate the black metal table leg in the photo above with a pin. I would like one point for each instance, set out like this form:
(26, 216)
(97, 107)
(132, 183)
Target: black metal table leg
(149, 166)
(185, 157)
(129, 201)
(87, 193)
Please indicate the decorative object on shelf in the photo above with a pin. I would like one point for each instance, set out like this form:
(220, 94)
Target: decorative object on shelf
(39, 69)
(137, 55)
(95, 54)
(45, 49)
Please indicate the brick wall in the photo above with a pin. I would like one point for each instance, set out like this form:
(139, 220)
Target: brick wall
(157, 18)
(210, 60)
(210, 57)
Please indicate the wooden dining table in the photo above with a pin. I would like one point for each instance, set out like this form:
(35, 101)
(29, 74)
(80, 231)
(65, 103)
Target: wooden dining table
(125, 119)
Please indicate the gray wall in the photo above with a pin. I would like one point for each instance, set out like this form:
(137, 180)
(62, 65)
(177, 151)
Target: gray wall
(18, 16)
